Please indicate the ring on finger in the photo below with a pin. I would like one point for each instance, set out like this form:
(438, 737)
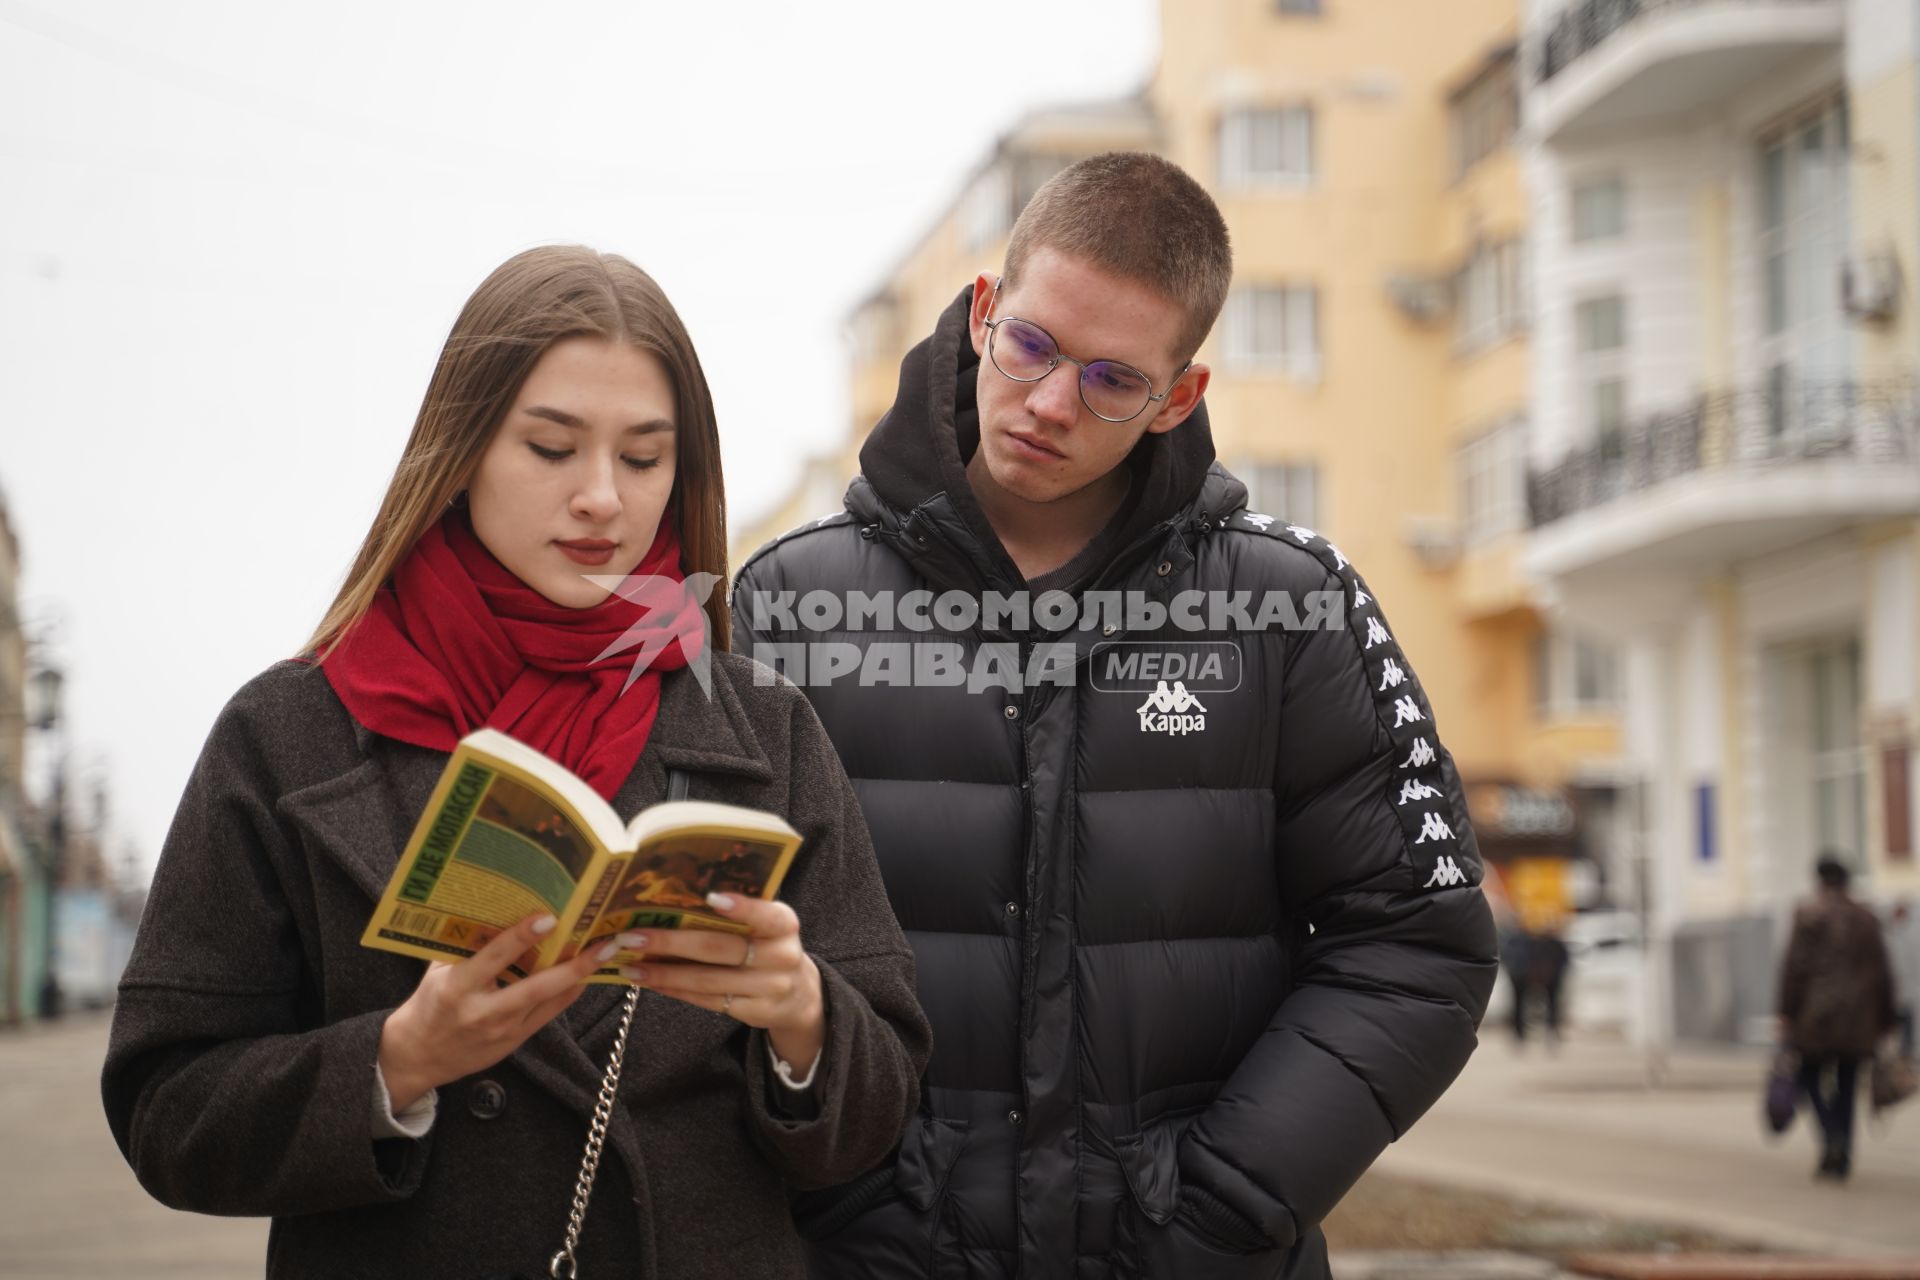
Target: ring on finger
(726, 1004)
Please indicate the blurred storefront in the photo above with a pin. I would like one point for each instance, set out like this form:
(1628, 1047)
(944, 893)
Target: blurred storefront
(1726, 479)
(1528, 839)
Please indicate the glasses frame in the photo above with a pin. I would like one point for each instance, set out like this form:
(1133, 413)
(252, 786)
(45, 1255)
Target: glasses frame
(993, 331)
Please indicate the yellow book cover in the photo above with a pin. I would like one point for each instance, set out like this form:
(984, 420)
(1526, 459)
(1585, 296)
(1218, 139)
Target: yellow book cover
(510, 832)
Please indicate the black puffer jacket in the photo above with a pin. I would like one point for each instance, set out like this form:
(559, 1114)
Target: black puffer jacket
(1194, 950)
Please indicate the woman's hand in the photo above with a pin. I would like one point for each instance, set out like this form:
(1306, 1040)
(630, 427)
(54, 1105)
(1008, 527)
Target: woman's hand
(459, 1021)
(765, 979)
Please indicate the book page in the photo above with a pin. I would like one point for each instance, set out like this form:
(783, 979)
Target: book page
(665, 883)
(494, 851)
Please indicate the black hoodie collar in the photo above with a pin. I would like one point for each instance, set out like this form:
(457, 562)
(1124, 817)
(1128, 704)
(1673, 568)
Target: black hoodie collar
(913, 464)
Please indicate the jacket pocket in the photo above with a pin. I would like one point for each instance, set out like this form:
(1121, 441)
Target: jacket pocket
(927, 1156)
(1150, 1162)
(1154, 1239)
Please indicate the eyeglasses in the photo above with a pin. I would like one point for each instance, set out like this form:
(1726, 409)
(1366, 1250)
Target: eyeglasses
(1024, 352)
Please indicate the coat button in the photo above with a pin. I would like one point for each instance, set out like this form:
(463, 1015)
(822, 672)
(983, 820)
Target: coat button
(1109, 629)
(1014, 1117)
(487, 1099)
(1013, 712)
(1013, 908)
(1166, 567)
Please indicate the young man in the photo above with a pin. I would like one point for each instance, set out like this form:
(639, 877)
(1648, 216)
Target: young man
(1188, 875)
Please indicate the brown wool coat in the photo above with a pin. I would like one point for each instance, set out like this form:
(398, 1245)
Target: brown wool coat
(1836, 989)
(241, 1068)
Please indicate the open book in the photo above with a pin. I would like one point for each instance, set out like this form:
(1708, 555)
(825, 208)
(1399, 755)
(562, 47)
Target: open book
(510, 832)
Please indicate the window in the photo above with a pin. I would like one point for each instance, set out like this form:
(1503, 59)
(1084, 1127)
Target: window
(986, 211)
(1838, 764)
(1485, 115)
(1032, 170)
(1289, 491)
(1599, 209)
(1607, 405)
(1266, 147)
(1574, 674)
(1601, 324)
(1600, 350)
(1493, 482)
(1803, 219)
(1275, 327)
(1492, 289)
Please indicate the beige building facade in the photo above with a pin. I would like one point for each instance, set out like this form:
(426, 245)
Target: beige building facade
(1726, 466)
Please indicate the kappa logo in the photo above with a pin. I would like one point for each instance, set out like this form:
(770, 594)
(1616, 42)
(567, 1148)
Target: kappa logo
(1171, 709)
(1446, 874)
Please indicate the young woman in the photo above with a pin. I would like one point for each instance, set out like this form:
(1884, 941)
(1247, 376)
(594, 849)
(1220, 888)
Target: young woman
(402, 1119)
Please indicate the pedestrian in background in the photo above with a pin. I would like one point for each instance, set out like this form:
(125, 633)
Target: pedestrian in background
(1538, 971)
(1835, 1003)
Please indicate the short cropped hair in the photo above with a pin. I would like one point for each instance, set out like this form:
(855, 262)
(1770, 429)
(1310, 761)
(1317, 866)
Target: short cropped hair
(1139, 217)
(1833, 873)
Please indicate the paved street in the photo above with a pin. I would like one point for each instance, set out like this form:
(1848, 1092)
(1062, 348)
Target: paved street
(1582, 1130)
(69, 1206)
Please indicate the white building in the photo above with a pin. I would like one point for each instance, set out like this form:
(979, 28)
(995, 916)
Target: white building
(1725, 465)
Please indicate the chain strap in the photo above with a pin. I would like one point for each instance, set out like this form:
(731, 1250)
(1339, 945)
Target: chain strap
(563, 1266)
(678, 785)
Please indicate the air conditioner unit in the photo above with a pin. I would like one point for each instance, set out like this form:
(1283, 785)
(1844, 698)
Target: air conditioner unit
(1424, 299)
(1434, 542)
(1870, 286)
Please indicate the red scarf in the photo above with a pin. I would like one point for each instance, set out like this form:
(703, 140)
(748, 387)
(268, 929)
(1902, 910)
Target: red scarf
(456, 642)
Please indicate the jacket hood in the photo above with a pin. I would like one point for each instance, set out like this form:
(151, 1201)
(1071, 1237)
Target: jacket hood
(916, 456)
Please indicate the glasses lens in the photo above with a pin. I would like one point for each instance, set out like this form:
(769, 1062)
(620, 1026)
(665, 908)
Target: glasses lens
(1022, 351)
(1114, 391)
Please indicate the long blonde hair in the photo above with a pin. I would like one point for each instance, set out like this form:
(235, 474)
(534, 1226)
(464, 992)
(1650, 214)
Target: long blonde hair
(530, 302)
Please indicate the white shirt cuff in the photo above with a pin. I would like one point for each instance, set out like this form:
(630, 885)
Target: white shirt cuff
(784, 1069)
(414, 1119)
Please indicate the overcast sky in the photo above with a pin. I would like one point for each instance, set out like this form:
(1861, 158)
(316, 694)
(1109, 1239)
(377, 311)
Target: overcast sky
(233, 237)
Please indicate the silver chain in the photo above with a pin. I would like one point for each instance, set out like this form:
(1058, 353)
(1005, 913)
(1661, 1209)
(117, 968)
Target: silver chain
(596, 1136)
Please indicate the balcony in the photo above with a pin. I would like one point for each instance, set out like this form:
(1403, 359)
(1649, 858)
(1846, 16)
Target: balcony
(1732, 475)
(1606, 63)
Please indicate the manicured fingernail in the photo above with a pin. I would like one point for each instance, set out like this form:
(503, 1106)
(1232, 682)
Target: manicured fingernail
(544, 924)
(720, 901)
(633, 973)
(608, 952)
(633, 941)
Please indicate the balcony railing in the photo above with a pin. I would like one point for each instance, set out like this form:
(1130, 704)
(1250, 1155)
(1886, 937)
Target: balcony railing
(1868, 423)
(1585, 25)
